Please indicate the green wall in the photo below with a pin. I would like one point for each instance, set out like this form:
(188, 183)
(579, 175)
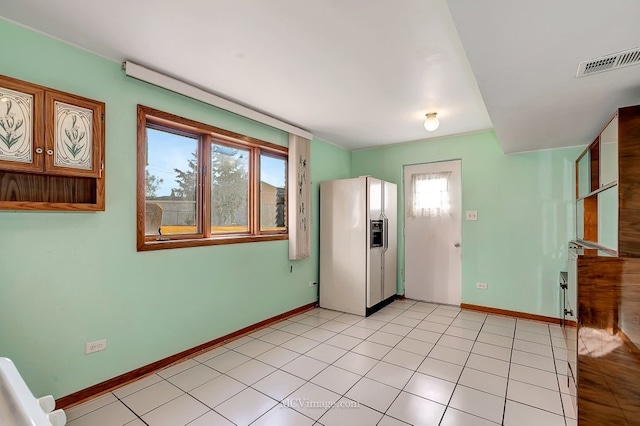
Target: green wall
(525, 216)
(70, 278)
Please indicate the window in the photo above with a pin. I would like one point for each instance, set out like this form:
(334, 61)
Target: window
(430, 195)
(200, 185)
(273, 174)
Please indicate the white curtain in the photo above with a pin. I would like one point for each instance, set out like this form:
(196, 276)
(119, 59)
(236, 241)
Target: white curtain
(429, 195)
(299, 197)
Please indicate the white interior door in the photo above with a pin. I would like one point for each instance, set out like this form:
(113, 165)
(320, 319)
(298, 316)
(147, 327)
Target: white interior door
(433, 231)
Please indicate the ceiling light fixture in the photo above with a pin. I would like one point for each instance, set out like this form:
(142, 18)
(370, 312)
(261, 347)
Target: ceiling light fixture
(432, 122)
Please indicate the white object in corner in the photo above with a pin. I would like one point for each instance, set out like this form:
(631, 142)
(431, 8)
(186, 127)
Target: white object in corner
(19, 407)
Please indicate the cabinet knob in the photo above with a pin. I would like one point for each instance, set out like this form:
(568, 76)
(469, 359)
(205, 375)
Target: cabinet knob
(49, 152)
(38, 150)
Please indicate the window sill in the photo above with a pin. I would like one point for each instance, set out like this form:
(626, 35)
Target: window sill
(200, 242)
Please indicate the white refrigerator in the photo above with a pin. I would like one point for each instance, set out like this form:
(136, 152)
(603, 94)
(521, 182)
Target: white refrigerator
(358, 244)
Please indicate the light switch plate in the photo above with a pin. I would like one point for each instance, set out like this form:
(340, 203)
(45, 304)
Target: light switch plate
(472, 214)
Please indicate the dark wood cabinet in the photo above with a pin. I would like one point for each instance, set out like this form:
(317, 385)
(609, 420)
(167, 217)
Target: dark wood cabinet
(605, 262)
(51, 149)
(608, 186)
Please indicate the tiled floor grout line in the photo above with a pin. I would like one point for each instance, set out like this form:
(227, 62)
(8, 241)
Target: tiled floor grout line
(221, 373)
(402, 310)
(401, 390)
(130, 409)
(331, 364)
(381, 359)
(555, 368)
(202, 402)
(434, 345)
(461, 371)
(277, 402)
(405, 336)
(541, 387)
(414, 371)
(506, 390)
(468, 356)
(378, 361)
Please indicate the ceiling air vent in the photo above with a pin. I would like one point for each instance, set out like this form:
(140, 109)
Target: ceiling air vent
(609, 62)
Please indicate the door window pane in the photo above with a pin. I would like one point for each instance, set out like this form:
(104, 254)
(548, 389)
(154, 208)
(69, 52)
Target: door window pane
(273, 172)
(229, 189)
(430, 195)
(171, 184)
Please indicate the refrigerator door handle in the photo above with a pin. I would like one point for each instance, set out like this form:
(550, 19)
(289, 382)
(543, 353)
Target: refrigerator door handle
(385, 233)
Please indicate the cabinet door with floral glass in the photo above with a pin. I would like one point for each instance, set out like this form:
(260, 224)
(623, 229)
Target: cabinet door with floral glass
(21, 141)
(75, 129)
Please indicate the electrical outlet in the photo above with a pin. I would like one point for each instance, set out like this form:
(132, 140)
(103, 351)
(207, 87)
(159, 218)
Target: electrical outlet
(482, 286)
(95, 346)
(472, 214)
(312, 283)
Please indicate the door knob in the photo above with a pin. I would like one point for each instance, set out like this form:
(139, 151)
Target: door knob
(456, 244)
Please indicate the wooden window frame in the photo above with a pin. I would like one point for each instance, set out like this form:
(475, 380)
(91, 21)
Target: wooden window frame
(206, 135)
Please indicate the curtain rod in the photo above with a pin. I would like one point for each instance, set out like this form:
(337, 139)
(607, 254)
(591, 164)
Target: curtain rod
(157, 79)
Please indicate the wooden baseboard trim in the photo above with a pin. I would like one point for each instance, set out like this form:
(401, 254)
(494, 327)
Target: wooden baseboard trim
(121, 380)
(516, 314)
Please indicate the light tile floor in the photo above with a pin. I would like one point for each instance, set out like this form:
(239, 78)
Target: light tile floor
(410, 363)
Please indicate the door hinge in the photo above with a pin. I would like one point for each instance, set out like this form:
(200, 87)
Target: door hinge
(204, 170)
(102, 117)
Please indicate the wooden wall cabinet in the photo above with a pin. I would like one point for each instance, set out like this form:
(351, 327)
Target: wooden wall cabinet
(608, 187)
(604, 357)
(51, 149)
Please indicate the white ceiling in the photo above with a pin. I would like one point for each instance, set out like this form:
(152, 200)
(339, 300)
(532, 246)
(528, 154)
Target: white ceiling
(363, 73)
(525, 56)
